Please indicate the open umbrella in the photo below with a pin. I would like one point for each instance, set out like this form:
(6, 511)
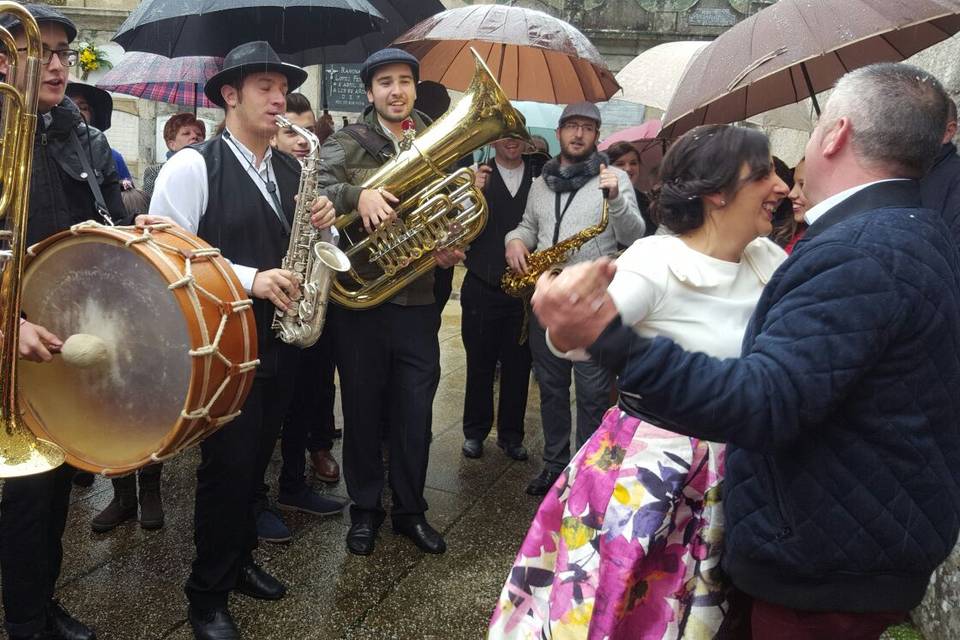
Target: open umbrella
(795, 49)
(399, 16)
(176, 28)
(646, 131)
(153, 77)
(533, 55)
(653, 76)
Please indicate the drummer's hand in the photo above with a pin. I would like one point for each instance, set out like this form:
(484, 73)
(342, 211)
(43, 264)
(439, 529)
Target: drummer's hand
(145, 219)
(517, 253)
(37, 344)
(279, 286)
(481, 176)
(322, 213)
(610, 182)
(374, 207)
(446, 258)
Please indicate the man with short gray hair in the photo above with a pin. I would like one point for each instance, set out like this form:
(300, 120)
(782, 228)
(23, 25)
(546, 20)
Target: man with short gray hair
(842, 488)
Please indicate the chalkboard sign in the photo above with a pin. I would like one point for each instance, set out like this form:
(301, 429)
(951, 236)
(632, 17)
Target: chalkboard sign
(343, 88)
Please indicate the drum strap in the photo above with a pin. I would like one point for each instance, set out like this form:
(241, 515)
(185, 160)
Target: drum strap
(91, 177)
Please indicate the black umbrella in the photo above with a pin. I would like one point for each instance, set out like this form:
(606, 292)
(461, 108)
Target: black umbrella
(175, 28)
(400, 16)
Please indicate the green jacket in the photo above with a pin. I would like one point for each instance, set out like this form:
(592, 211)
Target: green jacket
(345, 166)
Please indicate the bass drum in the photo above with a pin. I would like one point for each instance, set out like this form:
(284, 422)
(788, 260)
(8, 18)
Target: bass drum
(180, 338)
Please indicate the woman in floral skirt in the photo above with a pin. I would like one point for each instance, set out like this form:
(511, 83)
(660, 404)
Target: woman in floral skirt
(627, 542)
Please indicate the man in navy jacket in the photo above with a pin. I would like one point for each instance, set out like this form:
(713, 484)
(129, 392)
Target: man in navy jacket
(843, 413)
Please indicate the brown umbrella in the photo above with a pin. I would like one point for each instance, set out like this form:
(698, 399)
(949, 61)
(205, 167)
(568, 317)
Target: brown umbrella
(797, 48)
(533, 55)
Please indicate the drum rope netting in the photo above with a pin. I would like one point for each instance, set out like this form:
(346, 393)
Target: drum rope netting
(209, 348)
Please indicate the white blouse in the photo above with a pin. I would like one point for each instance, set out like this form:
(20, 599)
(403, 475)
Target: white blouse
(665, 288)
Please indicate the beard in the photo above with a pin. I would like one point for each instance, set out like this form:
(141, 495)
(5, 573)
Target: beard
(580, 157)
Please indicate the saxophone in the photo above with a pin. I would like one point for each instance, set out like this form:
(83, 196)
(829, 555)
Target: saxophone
(312, 261)
(521, 285)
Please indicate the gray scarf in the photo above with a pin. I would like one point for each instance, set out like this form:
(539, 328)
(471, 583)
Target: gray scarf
(566, 178)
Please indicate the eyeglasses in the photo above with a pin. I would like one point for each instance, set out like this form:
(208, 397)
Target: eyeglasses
(574, 126)
(68, 57)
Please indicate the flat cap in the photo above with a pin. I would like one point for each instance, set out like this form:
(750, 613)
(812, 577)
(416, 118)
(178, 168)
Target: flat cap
(387, 56)
(583, 109)
(42, 13)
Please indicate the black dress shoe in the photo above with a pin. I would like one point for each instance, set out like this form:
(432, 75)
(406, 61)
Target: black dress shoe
(472, 448)
(515, 451)
(215, 624)
(542, 483)
(83, 479)
(62, 626)
(253, 581)
(361, 538)
(423, 535)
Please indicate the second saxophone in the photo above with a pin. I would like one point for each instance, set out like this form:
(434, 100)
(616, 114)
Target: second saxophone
(313, 261)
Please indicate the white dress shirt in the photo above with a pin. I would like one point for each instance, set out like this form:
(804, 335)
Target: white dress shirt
(181, 191)
(816, 212)
(511, 177)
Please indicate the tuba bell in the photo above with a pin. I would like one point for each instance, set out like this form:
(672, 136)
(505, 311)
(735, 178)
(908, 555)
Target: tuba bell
(436, 210)
(21, 453)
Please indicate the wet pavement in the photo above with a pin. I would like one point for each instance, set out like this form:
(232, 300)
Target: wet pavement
(127, 583)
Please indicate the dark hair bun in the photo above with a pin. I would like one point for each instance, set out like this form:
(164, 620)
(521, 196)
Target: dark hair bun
(702, 161)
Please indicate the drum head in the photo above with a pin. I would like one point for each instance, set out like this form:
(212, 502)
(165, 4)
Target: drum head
(118, 412)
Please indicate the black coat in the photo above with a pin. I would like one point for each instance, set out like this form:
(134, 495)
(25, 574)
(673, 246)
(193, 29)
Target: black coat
(940, 188)
(59, 196)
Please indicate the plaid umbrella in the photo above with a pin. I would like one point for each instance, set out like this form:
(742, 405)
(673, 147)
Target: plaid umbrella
(153, 77)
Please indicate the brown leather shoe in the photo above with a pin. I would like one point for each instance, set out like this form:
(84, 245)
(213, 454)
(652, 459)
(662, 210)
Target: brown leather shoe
(325, 467)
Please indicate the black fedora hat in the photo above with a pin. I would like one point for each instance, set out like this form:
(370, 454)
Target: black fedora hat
(251, 57)
(98, 99)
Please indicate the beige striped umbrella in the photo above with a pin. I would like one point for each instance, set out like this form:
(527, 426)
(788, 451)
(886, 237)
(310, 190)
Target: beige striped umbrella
(533, 55)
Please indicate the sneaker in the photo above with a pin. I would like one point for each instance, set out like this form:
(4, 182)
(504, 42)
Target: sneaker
(309, 501)
(272, 528)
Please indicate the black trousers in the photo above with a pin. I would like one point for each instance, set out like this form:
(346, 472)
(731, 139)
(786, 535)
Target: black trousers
(491, 326)
(33, 514)
(310, 424)
(233, 461)
(388, 359)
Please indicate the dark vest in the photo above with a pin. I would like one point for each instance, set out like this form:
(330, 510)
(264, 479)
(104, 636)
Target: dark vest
(245, 228)
(486, 259)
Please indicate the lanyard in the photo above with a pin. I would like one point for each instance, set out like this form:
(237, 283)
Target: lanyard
(558, 214)
(270, 184)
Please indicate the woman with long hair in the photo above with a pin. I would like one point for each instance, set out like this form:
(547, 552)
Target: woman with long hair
(627, 542)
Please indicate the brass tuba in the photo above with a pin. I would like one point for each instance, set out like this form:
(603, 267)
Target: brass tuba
(436, 210)
(21, 453)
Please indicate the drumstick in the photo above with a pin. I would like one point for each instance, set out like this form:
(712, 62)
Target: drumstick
(83, 350)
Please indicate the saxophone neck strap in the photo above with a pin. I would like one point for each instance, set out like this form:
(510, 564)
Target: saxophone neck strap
(558, 214)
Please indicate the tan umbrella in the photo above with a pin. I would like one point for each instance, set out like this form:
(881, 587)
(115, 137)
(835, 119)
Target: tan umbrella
(795, 49)
(652, 77)
(533, 55)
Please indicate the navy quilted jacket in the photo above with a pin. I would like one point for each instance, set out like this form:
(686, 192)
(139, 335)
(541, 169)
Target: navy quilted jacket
(842, 416)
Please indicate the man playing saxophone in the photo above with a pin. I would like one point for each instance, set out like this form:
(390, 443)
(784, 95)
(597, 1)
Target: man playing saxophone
(563, 201)
(235, 193)
(388, 356)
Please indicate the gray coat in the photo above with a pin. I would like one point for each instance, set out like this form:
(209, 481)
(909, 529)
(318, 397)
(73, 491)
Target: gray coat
(536, 228)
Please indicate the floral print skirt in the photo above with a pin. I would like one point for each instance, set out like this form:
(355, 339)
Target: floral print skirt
(625, 545)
